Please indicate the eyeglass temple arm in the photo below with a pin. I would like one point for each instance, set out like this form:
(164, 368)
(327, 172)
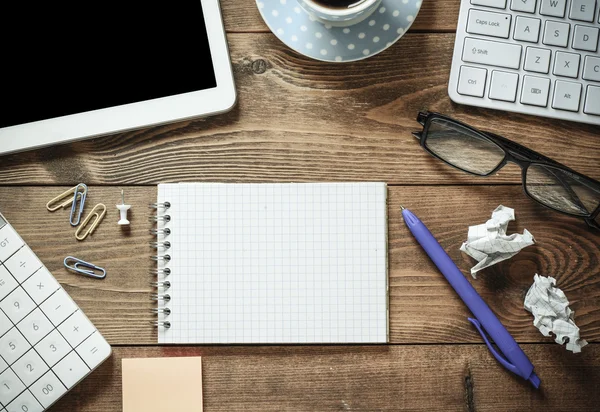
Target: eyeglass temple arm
(523, 151)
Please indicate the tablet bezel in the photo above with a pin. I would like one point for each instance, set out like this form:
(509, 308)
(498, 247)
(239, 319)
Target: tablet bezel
(137, 115)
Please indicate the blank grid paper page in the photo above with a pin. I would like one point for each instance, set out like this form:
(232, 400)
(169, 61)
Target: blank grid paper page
(276, 263)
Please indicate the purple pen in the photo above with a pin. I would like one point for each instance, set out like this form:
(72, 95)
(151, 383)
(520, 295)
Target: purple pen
(512, 358)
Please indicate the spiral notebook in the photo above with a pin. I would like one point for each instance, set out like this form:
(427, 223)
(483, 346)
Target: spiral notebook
(271, 263)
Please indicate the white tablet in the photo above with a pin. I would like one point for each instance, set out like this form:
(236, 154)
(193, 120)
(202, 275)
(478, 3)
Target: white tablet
(73, 70)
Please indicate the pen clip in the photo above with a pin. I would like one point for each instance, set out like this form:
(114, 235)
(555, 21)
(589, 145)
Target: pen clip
(498, 357)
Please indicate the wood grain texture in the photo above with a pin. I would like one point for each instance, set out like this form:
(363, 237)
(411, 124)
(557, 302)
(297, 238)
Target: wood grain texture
(303, 120)
(363, 378)
(423, 307)
(435, 15)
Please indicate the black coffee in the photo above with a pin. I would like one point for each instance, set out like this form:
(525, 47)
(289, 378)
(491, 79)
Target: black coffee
(339, 4)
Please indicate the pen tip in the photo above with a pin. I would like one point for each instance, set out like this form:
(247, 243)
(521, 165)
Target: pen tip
(402, 207)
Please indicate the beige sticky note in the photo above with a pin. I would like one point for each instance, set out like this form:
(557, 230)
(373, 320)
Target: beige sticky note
(162, 384)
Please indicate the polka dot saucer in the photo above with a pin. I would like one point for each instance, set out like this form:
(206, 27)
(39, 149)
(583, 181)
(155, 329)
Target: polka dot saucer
(301, 32)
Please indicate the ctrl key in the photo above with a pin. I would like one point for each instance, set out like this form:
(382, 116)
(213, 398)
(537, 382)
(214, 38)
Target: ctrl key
(471, 81)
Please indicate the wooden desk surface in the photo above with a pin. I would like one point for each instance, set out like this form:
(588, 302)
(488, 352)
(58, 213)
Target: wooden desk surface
(301, 120)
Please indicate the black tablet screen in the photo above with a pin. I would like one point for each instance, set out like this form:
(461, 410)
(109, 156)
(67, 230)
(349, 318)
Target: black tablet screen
(66, 57)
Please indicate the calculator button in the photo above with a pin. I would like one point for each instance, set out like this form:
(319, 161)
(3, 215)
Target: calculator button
(23, 264)
(10, 386)
(41, 285)
(94, 350)
(58, 307)
(53, 348)
(3, 365)
(10, 242)
(71, 370)
(76, 329)
(17, 305)
(35, 326)
(13, 345)
(48, 389)
(25, 402)
(30, 367)
(5, 323)
(7, 283)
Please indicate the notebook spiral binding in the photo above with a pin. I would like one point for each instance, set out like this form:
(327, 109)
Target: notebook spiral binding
(161, 272)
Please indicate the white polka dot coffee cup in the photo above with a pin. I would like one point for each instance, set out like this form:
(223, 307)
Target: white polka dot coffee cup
(340, 13)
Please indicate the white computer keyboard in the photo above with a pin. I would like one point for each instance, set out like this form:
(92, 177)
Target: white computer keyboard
(536, 57)
(47, 344)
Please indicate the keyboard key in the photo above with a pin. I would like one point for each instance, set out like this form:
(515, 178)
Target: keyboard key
(10, 386)
(48, 389)
(499, 4)
(5, 324)
(7, 283)
(71, 370)
(592, 101)
(556, 34)
(566, 96)
(23, 264)
(25, 402)
(58, 307)
(591, 68)
(585, 38)
(35, 326)
(527, 29)
(527, 6)
(554, 8)
(471, 81)
(13, 345)
(537, 60)
(535, 91)
(76, 329)
(489, 24)
(566, 64)
(30, 367)
(41, 285)
(94, 350)
(504, 86)
(17, 305)
(492, 53)
(53, 348)
(583, 10)
(10, 242)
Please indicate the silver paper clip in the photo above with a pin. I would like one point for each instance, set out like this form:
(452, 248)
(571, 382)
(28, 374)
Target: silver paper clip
(84, 268)
(80, 195)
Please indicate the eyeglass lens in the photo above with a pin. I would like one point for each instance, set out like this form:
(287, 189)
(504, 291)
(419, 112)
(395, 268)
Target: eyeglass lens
(562, 190)
(462, 148)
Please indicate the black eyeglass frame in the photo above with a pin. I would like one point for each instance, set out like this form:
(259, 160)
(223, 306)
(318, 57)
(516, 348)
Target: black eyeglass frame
(513, 152)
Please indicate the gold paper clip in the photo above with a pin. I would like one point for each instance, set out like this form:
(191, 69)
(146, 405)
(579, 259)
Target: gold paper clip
(55, 204)
(94, 213)
(76, 194)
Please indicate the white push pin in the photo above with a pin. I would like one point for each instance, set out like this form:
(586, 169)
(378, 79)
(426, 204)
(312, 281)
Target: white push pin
(123, 208)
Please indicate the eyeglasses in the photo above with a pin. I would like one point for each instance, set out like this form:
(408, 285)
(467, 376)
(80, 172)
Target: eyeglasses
(483, 154)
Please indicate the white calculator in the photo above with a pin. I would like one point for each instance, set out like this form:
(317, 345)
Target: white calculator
(47, 344)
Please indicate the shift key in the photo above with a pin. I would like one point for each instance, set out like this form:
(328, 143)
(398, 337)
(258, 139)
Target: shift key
(492, 53)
